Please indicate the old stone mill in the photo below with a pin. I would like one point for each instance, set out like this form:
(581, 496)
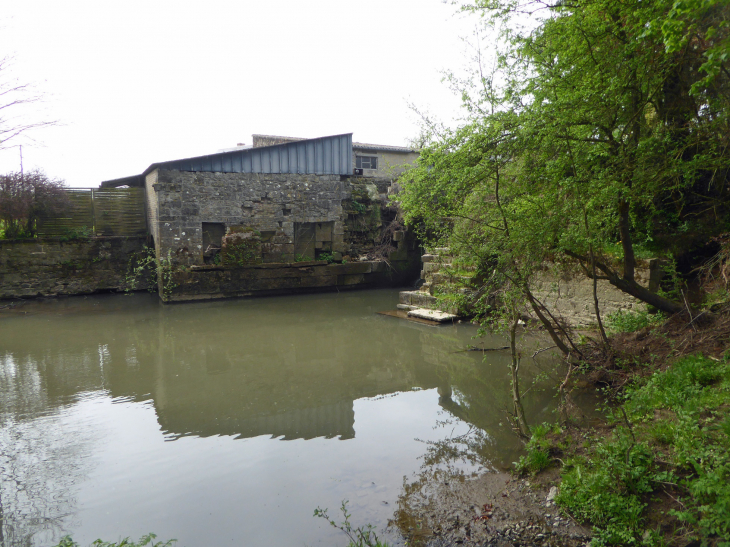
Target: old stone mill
(282, 215)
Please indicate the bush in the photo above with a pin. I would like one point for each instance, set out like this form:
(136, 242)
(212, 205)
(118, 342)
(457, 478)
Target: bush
(628, 321)
(538, 450)
(682, 414)
(26, 196)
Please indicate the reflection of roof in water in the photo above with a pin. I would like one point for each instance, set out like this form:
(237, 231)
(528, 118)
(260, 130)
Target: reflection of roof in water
(331, 420)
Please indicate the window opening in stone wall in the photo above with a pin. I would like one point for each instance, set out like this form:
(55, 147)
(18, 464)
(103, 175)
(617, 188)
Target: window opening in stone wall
(213, 233)
(366, 162)
(323, 241)
(304, 241)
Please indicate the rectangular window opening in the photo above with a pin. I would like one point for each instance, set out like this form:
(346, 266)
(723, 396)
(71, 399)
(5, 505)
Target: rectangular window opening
(366, 162)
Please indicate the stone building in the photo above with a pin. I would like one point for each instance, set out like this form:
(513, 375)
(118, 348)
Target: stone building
(281, 200)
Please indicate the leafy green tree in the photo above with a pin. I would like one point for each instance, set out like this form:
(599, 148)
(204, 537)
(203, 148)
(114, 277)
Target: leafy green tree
(600, 122)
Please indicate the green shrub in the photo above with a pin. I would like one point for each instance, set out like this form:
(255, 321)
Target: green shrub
(538, 450)
(684, 410)
(628, 321)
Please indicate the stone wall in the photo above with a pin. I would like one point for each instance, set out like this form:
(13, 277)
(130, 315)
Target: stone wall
(269, 203)
(53, 267)
(211, 282)
(570, 294)
(567, 294)
(283, 219)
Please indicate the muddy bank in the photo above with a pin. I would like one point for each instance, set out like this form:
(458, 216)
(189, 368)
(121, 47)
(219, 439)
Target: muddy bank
(489, 509)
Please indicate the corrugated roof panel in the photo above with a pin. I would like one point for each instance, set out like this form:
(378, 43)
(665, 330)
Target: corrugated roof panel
(319, 157)
(310, 157)
(301, 157)
(227, 164)
(325, 156)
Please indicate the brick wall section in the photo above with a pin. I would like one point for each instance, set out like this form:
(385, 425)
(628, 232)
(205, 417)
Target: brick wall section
(31, 268)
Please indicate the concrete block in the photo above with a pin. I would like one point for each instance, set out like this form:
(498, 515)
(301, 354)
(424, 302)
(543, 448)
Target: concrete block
(432, 315)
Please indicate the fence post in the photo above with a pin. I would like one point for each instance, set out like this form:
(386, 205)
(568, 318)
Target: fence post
(93, 214)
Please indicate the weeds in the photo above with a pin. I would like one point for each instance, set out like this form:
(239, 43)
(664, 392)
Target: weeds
(147, 540)
(538, 450)
(361, 536)
(628, 321)
(327, 257)
(672, 437)
(159, 273)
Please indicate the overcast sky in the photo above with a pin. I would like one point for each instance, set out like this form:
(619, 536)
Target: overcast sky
(137, 82)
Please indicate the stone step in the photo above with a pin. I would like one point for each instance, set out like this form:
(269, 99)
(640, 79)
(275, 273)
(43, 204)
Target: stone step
(417, 299)
(432, 315)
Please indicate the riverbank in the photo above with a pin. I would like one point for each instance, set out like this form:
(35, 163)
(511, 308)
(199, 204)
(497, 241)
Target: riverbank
(656, 471)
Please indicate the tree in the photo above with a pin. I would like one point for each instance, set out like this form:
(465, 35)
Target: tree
(602, 124)
(13, 97)
(24, 197)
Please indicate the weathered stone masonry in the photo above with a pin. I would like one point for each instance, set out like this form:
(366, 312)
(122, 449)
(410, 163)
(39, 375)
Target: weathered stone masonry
(269, 203)
(54, 267)
(296, 219)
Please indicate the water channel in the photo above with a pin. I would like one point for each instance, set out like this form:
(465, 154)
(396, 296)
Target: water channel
(228, 423)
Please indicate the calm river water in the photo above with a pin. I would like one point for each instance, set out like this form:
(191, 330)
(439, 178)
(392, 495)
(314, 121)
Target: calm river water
(228, 423)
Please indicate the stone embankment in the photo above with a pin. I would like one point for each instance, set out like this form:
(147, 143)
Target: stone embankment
(57, 267)
(567, 293)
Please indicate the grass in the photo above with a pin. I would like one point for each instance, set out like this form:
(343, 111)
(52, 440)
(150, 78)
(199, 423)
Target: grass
(148, 540)
(671, 442)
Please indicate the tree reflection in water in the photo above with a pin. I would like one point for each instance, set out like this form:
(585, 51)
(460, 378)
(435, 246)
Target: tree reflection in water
(41, 459)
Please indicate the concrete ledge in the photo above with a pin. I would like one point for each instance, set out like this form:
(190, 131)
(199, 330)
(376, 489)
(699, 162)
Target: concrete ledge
(432, 315)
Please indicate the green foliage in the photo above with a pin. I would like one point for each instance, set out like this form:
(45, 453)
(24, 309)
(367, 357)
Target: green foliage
(159, 273)
(607, 489)
(358, 208)
(327, 257)
(538, 450)
(680, 413)
(144, 541)
(302, 258)
(140, 266)
(579, 137)
(75, 234)
(361, 536)
(630, 321)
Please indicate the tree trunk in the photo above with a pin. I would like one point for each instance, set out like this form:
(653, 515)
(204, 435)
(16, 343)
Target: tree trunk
(632, 287)
(624, 225)
(514, 369)
(546, 323)
(604, 338)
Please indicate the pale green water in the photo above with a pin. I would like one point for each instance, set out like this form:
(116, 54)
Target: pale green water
(228, 423)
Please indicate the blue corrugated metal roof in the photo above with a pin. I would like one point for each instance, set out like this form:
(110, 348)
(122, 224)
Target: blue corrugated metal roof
(322, 156)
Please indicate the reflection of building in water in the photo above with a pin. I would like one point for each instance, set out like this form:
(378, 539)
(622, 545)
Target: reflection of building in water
(217, 371)
(331, 420)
